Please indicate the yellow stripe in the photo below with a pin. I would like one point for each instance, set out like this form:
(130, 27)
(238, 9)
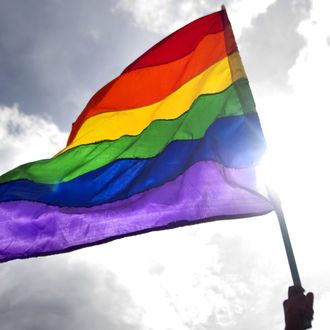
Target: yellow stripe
(113, 125)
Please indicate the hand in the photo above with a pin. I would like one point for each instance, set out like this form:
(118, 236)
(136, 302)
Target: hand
(298, 308)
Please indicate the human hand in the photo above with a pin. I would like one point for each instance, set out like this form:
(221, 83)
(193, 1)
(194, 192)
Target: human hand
(298, 309)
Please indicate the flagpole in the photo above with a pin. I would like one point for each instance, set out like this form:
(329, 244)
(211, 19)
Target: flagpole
(284, 230)
(285, 235)
(274, 198)
(276, 202)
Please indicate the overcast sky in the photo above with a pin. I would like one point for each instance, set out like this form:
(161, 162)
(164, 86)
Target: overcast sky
(55, 54)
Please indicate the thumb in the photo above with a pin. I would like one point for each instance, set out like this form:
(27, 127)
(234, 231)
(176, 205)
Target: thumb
(310, 299)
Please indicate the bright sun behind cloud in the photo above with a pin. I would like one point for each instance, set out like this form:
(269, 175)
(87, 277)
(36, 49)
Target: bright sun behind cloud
(233, 271)
(298, 160)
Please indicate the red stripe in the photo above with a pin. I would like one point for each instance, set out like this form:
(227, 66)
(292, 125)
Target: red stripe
(180, 42)
(126, 92)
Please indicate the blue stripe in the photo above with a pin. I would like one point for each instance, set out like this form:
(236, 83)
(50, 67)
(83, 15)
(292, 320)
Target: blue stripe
(235, 141)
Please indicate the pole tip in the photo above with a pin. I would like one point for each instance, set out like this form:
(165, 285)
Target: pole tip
(223, 7)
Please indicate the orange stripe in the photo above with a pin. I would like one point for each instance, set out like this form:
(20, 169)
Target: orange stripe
(145, 86)
(135, 88)
(181, 42)
(114, 124)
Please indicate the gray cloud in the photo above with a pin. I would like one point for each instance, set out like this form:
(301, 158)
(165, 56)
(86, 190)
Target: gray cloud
(271, 45)
(25, 138)
(56, 54)
(59, 294)
(166, 16)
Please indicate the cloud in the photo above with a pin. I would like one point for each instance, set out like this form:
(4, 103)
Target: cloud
(311, 162)
(222, 274)
(61, 293)
(224, 280)
(296, 124)
(55, 55)
(311, 66)
(270, 46)
(166, 16)
(53, 63)
(301, 115)
(232, 274)
(242, 13)
(25, 138)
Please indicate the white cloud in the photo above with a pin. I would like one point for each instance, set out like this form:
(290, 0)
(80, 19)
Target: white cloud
(164, 16)
(227, 273)
(296, 125)
(309, 79)
(25, 138)
(310, 73)
(241, 13)
(231, 273)
(249, 294)
(167, 16)
(296, 122)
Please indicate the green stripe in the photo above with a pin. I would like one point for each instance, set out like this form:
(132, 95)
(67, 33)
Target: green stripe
(236, 100)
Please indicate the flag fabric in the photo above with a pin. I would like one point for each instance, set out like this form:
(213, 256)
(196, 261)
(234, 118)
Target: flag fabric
(174, 140)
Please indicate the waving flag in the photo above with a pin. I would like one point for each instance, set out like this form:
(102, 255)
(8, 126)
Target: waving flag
(174, 140)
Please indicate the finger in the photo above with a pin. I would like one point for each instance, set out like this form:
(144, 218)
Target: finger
(310, 299)
(309, 303)
(295, 290)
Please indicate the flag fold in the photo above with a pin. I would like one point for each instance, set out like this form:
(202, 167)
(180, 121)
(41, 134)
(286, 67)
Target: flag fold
(172, 141)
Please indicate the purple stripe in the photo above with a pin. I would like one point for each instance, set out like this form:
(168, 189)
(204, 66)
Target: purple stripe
(207, 190)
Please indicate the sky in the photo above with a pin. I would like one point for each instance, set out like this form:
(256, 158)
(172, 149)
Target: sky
(55, 54)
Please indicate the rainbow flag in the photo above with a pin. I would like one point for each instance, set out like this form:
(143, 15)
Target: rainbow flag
(174, 140)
